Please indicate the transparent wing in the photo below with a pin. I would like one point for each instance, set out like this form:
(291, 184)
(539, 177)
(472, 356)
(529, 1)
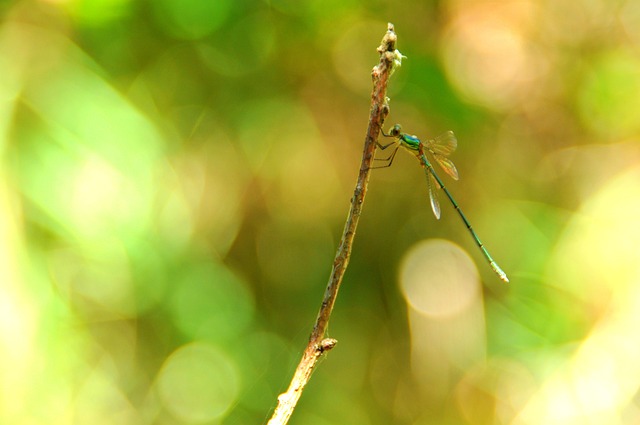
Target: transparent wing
(447, 165)
(444, 145)
(433, 195)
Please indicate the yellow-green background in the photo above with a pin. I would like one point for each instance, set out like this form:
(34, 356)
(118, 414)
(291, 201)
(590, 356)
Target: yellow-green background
(175, 175)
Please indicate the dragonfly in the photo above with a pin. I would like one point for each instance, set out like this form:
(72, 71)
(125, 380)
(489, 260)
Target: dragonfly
(439, 148)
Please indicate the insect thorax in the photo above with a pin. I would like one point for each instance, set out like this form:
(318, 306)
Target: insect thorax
(409, 142)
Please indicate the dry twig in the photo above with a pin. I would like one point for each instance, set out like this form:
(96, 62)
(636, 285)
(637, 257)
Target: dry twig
(318, 345)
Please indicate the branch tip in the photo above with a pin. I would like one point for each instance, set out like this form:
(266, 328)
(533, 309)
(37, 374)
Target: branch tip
(388, 43)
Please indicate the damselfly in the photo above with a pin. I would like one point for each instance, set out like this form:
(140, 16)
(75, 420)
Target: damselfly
(439, 148)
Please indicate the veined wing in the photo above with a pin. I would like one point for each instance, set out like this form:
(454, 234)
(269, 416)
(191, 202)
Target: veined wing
(447, 165)
(445, 144)
(441, 147)
(433, 186)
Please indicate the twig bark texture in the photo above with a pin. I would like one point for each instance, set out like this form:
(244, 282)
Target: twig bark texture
(318, 345)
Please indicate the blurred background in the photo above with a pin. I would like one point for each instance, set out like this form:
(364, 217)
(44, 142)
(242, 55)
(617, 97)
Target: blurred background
(175, 176)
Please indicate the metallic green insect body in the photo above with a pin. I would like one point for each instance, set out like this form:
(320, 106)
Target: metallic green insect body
(439, 148)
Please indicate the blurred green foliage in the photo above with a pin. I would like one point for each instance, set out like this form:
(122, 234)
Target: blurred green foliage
(175, 175)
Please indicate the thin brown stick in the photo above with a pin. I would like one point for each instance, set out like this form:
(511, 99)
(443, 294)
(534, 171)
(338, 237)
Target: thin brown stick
(389, 57)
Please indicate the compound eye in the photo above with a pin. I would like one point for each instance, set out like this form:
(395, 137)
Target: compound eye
(396, 130)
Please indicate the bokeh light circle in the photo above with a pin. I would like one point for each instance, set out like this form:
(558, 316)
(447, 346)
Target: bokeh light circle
(438, 278)
(487, 56)
(198, 383)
